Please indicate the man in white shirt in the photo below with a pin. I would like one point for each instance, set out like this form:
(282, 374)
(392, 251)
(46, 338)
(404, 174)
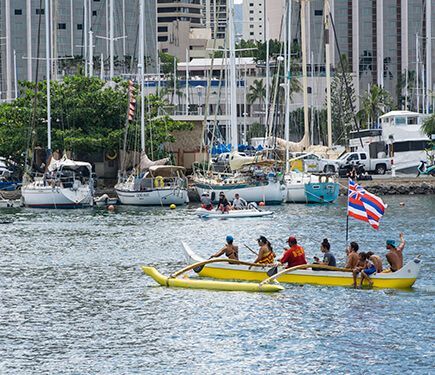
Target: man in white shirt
(239, 203)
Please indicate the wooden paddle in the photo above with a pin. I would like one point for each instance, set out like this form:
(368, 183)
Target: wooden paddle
(200, 265)
(302, 267)
(252, 251)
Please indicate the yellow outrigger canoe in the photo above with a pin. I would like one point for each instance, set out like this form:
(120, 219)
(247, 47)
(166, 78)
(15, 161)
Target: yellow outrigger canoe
(402, 279)
(209, 284)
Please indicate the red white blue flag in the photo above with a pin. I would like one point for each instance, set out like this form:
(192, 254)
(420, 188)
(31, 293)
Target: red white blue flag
(364, 206)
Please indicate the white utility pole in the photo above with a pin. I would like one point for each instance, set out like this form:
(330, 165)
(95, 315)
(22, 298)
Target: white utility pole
(112, 40)
(306, 138)
(8, 51)
(328, 73)
(141, 67)
(47, 72)
(29, 39)
(232, 78)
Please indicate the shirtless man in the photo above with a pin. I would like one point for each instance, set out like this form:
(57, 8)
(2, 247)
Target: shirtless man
(352, 256)
(230, 250)
(395, 254)
(376, 260)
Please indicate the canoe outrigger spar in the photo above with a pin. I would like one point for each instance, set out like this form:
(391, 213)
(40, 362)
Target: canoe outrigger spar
(402, 279)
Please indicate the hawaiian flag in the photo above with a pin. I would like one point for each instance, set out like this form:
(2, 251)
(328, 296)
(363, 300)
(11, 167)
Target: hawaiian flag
(364, 206)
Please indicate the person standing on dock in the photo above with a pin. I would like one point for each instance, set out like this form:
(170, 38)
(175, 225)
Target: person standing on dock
(294, 255)
(230, 250)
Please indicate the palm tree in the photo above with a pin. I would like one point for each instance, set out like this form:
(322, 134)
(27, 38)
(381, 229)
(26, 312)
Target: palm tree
(428, 126)
(257, 91)
(406, 82)
(375, 102)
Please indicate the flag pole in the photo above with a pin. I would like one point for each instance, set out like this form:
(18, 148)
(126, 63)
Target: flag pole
(347, 214)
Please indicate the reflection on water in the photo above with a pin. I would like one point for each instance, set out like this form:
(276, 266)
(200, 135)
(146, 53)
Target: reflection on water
(73, 299)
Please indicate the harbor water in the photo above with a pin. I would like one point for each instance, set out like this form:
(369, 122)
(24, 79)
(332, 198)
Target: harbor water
(73, 299)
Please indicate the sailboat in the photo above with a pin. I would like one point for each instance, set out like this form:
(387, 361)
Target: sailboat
(151, 182)
(299, 186)
(254, 178)
(65, 183)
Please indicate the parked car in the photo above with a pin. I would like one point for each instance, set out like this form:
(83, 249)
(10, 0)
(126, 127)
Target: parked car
(377, 165)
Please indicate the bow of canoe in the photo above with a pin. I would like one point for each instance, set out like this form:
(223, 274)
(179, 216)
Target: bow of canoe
(209, 284)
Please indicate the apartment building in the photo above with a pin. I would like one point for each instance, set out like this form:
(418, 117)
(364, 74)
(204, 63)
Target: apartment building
(21, 21)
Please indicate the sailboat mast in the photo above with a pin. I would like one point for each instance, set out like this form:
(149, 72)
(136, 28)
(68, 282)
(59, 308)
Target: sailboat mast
(328, 73)
(47, 73)
(141, 74)
(287, 56)
(112, 39)
(8, 51)
(233, 94)
(306, 138)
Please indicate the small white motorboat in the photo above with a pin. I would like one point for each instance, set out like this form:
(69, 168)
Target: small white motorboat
(104, 200)
(232, 214)
(9, 203)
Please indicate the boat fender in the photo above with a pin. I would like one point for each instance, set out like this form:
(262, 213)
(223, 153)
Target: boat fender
(111, 157)
(159, 182)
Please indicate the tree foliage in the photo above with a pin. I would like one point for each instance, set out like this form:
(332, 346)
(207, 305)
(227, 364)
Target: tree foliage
(429, 126)
(88, 116)
(374, 102)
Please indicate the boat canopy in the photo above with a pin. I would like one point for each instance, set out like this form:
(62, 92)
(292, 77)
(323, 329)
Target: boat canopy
(64, 162)
(165, 170)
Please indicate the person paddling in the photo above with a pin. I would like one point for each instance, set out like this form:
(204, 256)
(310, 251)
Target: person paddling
(294, 255)
(265, 253)
(328, 257)
(230, 250)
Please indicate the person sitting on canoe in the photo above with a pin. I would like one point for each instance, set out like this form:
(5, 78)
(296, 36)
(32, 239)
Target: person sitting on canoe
(352, 256)
(206, 202)
(238, 202)
(294, 255)
(266, 254)
(395, 254)
(369, 269)
(230, 250)
(223, 204)
(328, 257)
(360, 266)
(376, 260)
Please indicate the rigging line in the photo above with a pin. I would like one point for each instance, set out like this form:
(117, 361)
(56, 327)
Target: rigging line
(32, 136)
(348, 93)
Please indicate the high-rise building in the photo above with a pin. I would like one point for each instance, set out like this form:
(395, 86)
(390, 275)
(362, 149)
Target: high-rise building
(378, 37)
(22, 29)
(216, 17)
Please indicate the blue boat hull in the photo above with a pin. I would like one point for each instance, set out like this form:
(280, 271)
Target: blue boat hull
(322, 192)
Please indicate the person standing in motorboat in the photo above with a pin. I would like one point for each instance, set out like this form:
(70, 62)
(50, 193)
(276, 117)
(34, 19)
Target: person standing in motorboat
(230, 250)
(206, 202)
(223, 204)
(239, 203)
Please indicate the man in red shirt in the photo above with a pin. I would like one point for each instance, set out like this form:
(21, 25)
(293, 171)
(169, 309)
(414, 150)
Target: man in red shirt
(295, 255)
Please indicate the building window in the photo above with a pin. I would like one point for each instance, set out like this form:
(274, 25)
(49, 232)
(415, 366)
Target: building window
(251, 12)
(251, 33)
(18, 12)
(79, 26)
(61, 26)
(40, 11)
(318, 12)
(94, 13)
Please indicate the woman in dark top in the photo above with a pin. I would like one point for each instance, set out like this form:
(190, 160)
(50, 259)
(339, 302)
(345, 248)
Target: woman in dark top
(223, 204)
(328, 257)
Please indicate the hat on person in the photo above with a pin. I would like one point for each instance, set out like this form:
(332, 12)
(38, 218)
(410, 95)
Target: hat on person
(229, 238)
(205, 193)
(391, 243)
(292, 239)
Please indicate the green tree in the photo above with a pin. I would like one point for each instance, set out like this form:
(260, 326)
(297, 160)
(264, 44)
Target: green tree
(429, 126)
(257, 92)
(374, 103)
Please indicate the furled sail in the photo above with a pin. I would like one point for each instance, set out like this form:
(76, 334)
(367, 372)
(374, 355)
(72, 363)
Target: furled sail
(238, 161)
(146, 162)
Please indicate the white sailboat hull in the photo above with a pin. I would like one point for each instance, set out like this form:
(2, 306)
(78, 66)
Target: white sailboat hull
(56, 197)
(270, 193)
(153, 197)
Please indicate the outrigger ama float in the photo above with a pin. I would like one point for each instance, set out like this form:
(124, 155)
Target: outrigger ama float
(185, 282)
(402, 279)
